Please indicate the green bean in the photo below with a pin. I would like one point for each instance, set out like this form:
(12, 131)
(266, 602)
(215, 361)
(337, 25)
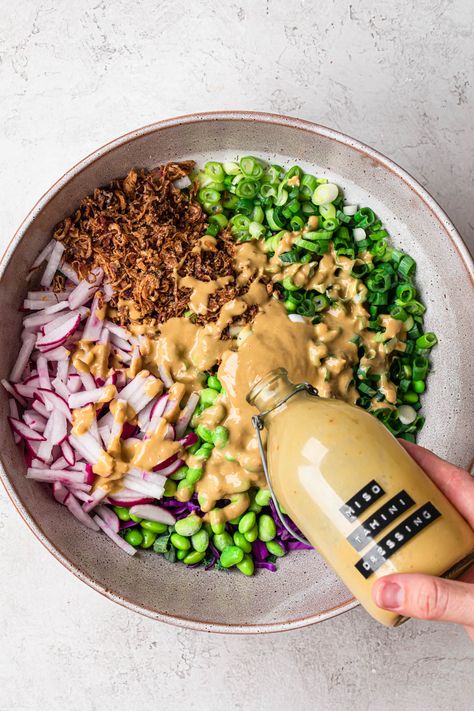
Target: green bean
(137, 519)
(134, 537)
(220, 436)
(266, 528)
(214, 383)
(242, 542)
(149, 538)
(246, 565)
(194, 474)
(188, 526)
(275, 548)
(180, 555)
(154, 526)
(232, 555)
(247, 522)
(180, 474)
(252, 535)
(170, 488)
(180, 542)
(194, 557)
(222, 540)
(263, 496)
(200, 540)
(208, 396)
(122, 513)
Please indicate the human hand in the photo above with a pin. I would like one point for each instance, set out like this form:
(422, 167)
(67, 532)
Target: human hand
(424, 596)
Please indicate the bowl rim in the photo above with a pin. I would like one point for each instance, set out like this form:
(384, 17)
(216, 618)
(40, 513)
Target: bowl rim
(234, 115)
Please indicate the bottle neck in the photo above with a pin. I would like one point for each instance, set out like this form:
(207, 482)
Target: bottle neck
(270, 390)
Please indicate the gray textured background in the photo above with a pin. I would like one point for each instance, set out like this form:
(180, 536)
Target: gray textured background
(74, 75)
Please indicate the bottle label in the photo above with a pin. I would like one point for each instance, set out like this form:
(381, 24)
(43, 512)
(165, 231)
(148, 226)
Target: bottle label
(361, 501)
(379, 520)
(397, 538)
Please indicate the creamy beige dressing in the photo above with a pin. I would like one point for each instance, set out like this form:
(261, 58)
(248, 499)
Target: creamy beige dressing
(323, 354)
(333, 468)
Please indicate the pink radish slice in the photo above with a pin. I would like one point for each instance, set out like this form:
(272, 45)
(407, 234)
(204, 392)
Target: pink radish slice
(169, 469)
(43, 373)
(23, 357)
(60, 388)
(155, 478)
(84, 291)
(45, 448)
(94, 325)
(56, 354)
(87, 381)
(87, 447)
(60, 320)
(59, 492)
(122, 543)
(109, 517)
(76, 510)
(123, 356)
(186, 414)
(153, 513)
(54, 402)
(38, 406)
(188, 440)
(55, 308)
(116, 330)
(12, 390)
(59, 429)
(43, 255)
(85, 398)
(73, 383)
(68, 453)
(28, 391)
(79, 494)
(165, 376)
(69, 272)
(62, 371)
(127, 497)
(34, 420)
(59, 463)
(143, 487)
(24, 431)
(63, 475)
(59, 335)
(53, 264)
(95, 498)
(121, 343)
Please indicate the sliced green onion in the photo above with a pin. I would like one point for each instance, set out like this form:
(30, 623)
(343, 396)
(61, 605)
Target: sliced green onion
(215, 170)
(251, 167)
(426, 341)
(324, 193)
(209, 195)
(407, 266)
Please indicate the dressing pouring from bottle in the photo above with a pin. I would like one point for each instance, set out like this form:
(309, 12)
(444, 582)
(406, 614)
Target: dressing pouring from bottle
(354, 492)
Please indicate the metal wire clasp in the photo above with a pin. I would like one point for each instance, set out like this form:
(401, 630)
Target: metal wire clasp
(258, 424)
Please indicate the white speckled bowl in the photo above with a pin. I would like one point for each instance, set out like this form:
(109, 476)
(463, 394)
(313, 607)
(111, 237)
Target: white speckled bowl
(304, 590)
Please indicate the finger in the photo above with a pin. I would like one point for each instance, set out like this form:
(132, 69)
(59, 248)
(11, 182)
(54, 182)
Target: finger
(455, 483)
(426, 597)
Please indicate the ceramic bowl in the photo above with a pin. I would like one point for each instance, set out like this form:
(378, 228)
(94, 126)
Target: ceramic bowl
(304, 590)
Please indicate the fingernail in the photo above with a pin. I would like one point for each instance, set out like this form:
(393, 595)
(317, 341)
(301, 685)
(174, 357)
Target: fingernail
(389, 595)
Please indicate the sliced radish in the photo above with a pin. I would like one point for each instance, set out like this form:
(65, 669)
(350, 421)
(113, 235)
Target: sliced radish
(65, 476)
(85, 398)
(53, 264)
(170, 468)
(186, 414)
(116, 330)
(57, 354)
(127, 497)
(109, 517)
(153, 513)
(85, 290)
(23, 357)
(87, 447)
(95, 498)
(122, 543)
(69, 272)
(76, 510)
(59, 335)
(68, 453)
(94, 324)
(54, 401)
(24, 431)
(59, 492)
(43, 255)
(13, 409)
(165, 376)
(13, 391)
(188, 440)
(43, 373)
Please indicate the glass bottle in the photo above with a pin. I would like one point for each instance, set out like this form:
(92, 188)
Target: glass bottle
(355, 493)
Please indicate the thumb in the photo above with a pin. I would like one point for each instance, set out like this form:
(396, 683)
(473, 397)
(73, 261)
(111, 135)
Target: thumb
(426, 597)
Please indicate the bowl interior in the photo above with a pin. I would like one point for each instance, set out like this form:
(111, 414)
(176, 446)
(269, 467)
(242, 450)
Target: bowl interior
(304, 589)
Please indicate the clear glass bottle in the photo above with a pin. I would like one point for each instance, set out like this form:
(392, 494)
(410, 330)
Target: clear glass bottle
(355, 493)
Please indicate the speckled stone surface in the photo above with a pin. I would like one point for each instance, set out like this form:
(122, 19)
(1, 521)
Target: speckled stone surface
(74, 75)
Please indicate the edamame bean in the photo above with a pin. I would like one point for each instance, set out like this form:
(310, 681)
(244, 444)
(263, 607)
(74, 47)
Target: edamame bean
(122, 513)
(134, 537)
(208, 396)
(154, 526)
(247, 522)
(232, 555)
(214, 382)
(149, 538)
(235, 521)
(204, 433)
(180, 542)
(266, 528)
(246, 565)
(193, 557)
(222, 541)
(242, 542)
(137, 519)
(204, 452)
(180, 474)
(194, 474)
(188, 526)
(170, 488)
(254, 507)
(217, 525)
(194, 447)
(263, 496)
(200, 540)
(275, 548)
(252, 535)
(180, 555)
(185, 490)
(220, 436)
